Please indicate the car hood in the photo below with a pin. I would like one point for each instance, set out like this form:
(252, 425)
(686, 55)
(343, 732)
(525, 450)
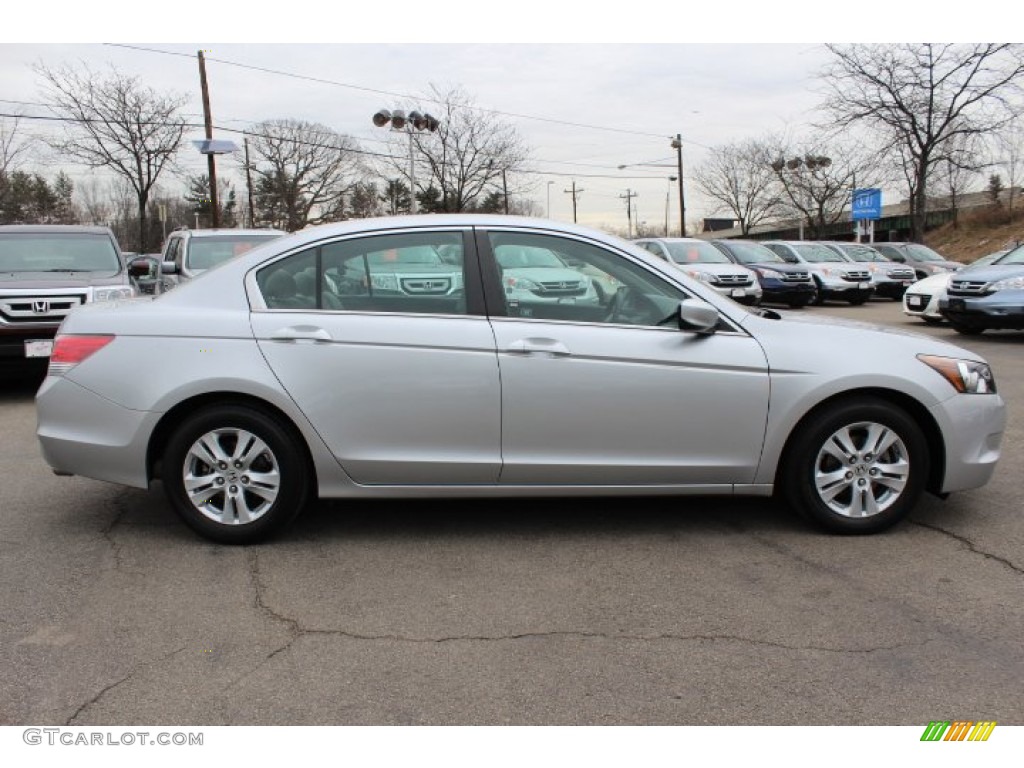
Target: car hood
(992, 273)
(716, 269)
(787, 267)
(53, 280)
(931, 284)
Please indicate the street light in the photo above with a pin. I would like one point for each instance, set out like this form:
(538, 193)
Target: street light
(809, 162)
(548, 214)
(668, 191)
(414, 121)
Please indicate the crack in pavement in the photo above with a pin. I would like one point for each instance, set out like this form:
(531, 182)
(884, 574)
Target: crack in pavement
(122, 510)
(123, 680)
(970, 545)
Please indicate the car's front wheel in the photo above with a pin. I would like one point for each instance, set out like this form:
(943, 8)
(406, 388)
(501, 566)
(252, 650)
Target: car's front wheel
(858, 466)
(234, 474)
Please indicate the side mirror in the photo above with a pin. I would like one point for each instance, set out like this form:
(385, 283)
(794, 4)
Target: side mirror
(140, 268)
(697, 316)
(169, 268)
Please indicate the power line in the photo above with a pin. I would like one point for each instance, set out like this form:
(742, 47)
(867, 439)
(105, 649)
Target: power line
(366, 89)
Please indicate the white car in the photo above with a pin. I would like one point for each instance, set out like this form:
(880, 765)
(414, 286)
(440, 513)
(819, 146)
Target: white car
(922, 298)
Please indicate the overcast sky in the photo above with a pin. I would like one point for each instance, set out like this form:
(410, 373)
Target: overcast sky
(625, 99)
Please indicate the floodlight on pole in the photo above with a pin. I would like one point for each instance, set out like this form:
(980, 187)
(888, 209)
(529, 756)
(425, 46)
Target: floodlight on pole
(414, 121)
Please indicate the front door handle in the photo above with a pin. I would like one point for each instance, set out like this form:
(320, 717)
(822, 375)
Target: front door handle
(301, 333)
(539, 346)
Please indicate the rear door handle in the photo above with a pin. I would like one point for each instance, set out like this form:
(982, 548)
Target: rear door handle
(301, 333)
(539, 346)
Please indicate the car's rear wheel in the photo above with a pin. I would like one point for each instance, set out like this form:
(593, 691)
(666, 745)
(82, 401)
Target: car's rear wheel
(858, 466)
(234, 474)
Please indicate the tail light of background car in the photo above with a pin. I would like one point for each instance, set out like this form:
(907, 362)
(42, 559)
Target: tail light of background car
(69, 351)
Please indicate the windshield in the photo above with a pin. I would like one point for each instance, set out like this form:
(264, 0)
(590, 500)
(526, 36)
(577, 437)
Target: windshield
(753, 253)
(697, 252)
(208, 252)
(923, 253)
(861, 252)
(39, 252)
(517, 257)
(816, 254)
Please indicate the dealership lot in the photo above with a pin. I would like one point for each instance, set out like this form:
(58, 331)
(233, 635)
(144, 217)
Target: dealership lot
(641, 611)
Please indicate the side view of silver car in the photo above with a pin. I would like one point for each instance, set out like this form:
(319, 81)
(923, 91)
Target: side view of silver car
(247, 394)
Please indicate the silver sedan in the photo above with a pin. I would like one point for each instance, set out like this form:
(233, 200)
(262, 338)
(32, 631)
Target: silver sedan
(286, 373)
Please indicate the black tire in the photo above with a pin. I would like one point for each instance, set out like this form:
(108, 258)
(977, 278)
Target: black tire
(932, 320)
(808, 462)
(858, 300)
(797, 303)
(967, 329)
(227, 425)
(819, 294)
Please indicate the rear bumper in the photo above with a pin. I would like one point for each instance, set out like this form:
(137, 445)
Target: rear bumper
(12, 340)
(81, 433)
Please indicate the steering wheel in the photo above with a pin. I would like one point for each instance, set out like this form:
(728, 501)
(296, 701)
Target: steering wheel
(628, 307)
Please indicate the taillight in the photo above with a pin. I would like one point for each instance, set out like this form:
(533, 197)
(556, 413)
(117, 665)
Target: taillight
(69, 351)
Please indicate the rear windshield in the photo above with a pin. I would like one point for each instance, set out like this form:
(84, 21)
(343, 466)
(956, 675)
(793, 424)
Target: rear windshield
(208, 252)
(72, 252)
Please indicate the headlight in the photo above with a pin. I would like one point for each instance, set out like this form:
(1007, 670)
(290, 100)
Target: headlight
(519, 284)
(826, 271)
(969, 377)
(384, 282)
(702, 276)
(770, 273)
(112, 294)
(1010, 283)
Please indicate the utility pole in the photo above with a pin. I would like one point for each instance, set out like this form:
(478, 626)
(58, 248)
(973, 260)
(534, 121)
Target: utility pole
(677, 145)
(504, 186)
(574, 192)
(211, 163)
(628, 197)
(248, 184)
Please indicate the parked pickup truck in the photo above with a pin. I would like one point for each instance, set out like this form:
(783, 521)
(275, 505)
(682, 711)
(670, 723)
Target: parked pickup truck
(190, 252)
(45, 272)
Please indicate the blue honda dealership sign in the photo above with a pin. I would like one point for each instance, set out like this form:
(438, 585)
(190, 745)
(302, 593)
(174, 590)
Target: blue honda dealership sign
(867, 204)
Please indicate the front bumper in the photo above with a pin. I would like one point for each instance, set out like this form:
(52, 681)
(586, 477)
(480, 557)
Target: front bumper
(892, 289)
(1002, 309)
(973, 429)
(781, 292)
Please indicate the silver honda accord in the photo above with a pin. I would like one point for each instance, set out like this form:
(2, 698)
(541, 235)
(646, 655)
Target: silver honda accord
(310, 366)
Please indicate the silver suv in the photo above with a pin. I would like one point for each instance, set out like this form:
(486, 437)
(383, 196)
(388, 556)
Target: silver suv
(45, 272)
(190, 252)
(703, 261)
(834, 275)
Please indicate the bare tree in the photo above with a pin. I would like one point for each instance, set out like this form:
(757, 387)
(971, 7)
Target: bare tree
(815, 178)
(958, 168)
(920, 98)
(12, 147)
(472, 152)
(740, 178)
(302, 171)
(1010, 147)
(115, 122)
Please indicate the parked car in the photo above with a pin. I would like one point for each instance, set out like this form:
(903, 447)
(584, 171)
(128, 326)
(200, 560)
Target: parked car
(922, 298)
(703, 261)
(834, 276)
(245, 404)
(889, 278)
(923, 259)
(781, 283)
(45, 272)
(190, 252)
(987, 297)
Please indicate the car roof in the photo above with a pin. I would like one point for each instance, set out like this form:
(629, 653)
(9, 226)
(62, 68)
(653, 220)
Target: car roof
(229, 231)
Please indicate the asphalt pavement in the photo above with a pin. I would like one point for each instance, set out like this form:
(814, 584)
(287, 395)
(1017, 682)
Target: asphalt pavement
(627, 611)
